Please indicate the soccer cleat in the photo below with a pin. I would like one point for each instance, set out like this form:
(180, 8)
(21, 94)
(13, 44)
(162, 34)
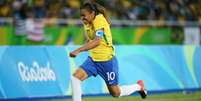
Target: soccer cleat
(142, 92)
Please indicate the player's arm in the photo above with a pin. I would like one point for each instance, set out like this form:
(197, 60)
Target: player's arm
(89, 45)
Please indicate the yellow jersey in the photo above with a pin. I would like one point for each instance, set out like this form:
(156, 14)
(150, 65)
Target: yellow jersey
(104, 51)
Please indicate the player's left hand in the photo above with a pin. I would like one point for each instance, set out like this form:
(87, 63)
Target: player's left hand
(74, 53)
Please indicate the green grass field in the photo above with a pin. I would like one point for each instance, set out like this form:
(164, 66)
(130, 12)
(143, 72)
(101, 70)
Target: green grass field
(196, 96)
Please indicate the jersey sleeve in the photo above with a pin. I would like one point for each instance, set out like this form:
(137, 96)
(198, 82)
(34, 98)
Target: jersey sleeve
(99, 22)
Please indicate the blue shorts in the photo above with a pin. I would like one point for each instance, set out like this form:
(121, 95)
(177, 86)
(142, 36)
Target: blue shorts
(108, 70)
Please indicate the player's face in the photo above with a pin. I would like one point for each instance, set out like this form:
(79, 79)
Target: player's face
(86, 16)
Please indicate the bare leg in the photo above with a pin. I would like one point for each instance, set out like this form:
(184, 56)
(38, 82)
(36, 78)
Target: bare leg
(114, 90)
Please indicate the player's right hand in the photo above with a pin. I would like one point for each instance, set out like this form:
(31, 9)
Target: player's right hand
(72, 55)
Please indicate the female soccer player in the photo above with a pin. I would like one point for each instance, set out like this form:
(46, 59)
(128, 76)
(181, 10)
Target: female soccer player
(101, 60)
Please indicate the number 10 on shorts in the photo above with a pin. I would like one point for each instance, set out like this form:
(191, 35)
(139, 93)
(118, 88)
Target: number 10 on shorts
(110, 76)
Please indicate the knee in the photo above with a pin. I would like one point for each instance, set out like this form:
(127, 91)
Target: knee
(115, 94)
(80, 74)
(77, 76)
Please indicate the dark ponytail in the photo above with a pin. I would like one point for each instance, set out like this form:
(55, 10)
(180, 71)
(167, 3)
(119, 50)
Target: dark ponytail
(97, 8)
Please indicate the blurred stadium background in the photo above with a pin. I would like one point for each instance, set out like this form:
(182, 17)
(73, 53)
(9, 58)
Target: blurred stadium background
(167, 29)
